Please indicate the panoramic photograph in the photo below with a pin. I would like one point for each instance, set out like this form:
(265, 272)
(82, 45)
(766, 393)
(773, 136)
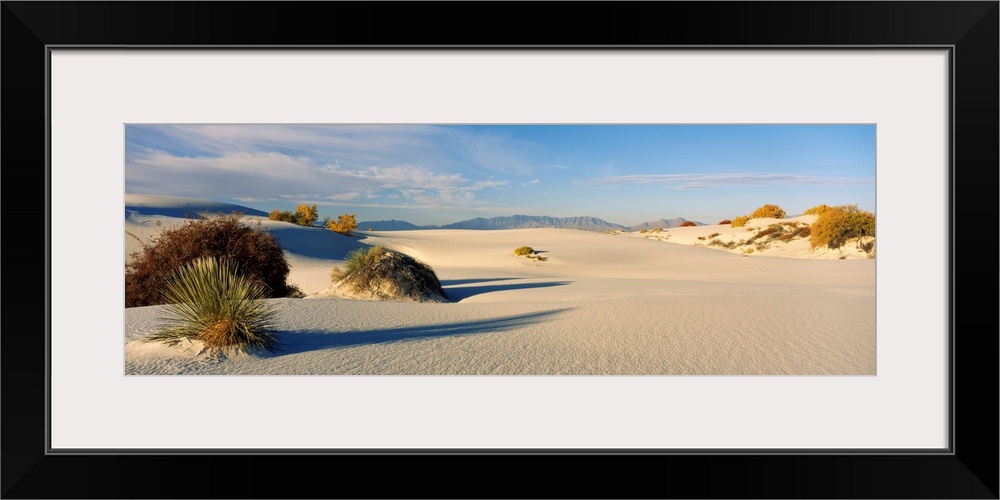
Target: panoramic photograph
(411, 249)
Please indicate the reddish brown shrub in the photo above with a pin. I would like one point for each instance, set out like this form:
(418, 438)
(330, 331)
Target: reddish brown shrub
(687, 223)
(254, 252)
(725, 221)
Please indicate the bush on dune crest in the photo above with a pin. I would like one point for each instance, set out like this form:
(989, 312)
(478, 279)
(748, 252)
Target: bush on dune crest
(836, 225)
(345, 224)
(817, 210)
(304, 215)
(256, 253)
(768, 212)
(380, 273)
(209, 300)
(739, 221)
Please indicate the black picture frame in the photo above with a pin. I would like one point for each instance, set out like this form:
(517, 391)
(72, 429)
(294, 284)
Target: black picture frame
(969, 470)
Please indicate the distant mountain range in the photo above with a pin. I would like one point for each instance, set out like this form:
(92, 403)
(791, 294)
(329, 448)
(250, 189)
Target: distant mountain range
(530, 221)
(387, 225)
(661, 223)
(174, 206)
(523, 222)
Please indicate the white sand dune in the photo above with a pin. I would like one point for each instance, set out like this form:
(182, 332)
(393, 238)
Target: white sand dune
(600, 304)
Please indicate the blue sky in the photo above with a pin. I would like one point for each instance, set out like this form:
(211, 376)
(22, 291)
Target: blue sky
(437, 174)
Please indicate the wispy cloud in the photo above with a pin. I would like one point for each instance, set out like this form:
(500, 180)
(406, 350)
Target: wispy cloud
(344, 196)
(333, 163)
(531, 183)
(697, 181)
(560, 167)
(269, 176)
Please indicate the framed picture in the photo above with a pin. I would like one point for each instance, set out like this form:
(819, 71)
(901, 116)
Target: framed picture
(920, 77)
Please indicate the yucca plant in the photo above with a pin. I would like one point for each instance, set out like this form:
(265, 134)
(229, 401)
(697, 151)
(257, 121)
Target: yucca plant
(209, 300)
(357, 257)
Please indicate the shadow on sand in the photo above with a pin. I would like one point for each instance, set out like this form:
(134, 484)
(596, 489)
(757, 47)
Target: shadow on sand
(458, 293)
(295, 342)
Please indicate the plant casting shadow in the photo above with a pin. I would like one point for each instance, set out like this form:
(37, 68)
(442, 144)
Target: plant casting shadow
(299, 341)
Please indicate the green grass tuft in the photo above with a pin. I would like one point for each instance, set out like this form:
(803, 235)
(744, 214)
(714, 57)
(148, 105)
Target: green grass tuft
(209, 300)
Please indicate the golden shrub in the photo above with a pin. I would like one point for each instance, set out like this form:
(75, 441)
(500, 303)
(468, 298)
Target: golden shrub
(306, 215)
(839, 224)
(524, 251)
(739, 221)
(344, 224)
(768, 211)
(817, 210)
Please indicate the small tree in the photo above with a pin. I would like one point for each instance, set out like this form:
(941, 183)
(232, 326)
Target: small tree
(306, 215)
(345, 224)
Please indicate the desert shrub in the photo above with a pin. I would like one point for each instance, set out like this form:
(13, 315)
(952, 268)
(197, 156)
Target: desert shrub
(524, 251)
(208, 299)
(817, 210)
(774, 230)
(838, 224)
(768, 211)
(642, 231)
(378, 272)
(687, 223)
(866, 246)
(701, 237)
(295, 292)
(730, 245)
(713, 235)
(355, 258)
(283, 216)
(344, 224)
(336, 274)
(739, 221)
(306, 215)
(723, 222)
(797, 232)
(657, 230)
(255, 252)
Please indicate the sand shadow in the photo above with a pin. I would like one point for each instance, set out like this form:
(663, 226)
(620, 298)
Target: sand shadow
(459, 293)
(447, 283)
(295, 342)
(315, 242)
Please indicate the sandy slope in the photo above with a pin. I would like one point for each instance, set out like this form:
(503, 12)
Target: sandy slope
(599, 304)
